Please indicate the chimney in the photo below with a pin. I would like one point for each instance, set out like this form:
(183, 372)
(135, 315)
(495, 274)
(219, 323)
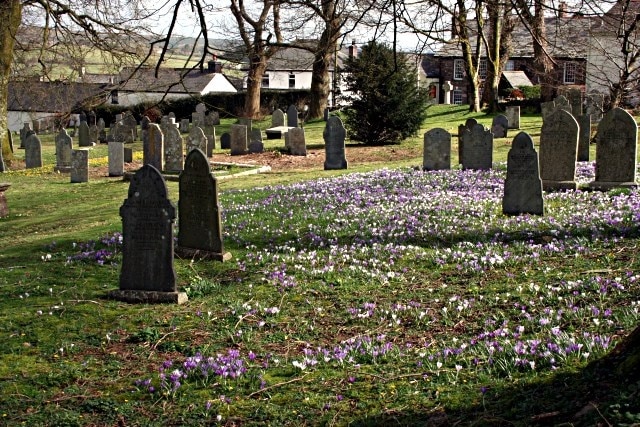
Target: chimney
(213, 66)
(353, 50)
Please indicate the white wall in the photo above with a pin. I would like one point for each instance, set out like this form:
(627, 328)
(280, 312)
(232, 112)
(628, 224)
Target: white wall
(17, 119)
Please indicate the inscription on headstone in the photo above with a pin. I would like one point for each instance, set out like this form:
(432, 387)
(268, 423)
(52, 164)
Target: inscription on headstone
(196, 139)
(173, 147)
(523, 186)
(200, 226)
(116, 158)
(32, 151)
(238, 140)
(80, 166)
(297, 143)
(437, 150)
(513, 116)
(477, 148)
(559, 151)
(334, 135)
(64, 145)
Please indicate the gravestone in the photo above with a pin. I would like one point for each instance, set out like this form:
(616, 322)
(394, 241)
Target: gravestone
(91, 118)
(93, 134)
(277, 118)
(147, 274)
(437, 150)
(210, 133)
(468, 124)
(80, 165)
(64, 146)
(334, 135)
(24, 133)
(172, 115)
(297, 143)
(84, 139)
(292, 116)
(32, 151)
(153, 151)
(130, 126)
(101, 124)
(562, 103)
(523, 186)
(173, 150)
(200, 113)
(83, 117)
(238, 140)
(499, 126)
(144, 129)
(584, 138)
(200, 226)
(575, 101)
(184, 125)
(116, 158)
(559, 151)
(102, 136)
(4, 206)
(213, 118)
(225, 141)
(255, 141)
(595, 106)
(128, 154)
(616, 151)
(547, 108)
(196, 139)
(513, 116)
(477, 149)
(246, 121)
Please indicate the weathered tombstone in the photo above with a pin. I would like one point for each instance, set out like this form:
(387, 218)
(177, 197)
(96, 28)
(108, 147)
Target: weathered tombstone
(575, 101)
(437, 150)
(238, 140)
(559, 151)
(153, 151)
(101, 124)
(255, 141)
(523, 186)
(91, 118)
(616, 151)
(173, 150)
(196, 139)
(131, 125)
(584, 138)
(468, 124)
(513, 116)
(277, 118)
(80, 165)
(297, 143)
(148, 216)
(562, 103)
(210, 133)
(200, 226)
(292, 116)
(334, 135)
(64, 146)
(499, 126)
(547, 108)
(246, 121)
(144, 129)
(93, 134)
(184, 125)
(128, 155)
(477, 149)
(32, 152)
(83, 117)
(213, 118)
(102, 136)
(172, 115)
(24, 132)
(201, 111)
(225, 141)
(595, 106)
(4, 206)
(116, 158)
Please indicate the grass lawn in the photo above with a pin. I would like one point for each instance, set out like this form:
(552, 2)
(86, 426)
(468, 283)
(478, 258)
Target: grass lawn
(380, 295)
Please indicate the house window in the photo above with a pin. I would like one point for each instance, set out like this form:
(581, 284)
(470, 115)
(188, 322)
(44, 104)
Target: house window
(265, 80)
(114, 96)
(482, 68)
(457, 97)
(570, 69)
(292, 81)
(510, 65)
(458, 69)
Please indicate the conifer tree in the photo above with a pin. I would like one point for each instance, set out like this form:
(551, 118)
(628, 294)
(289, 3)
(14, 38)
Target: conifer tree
(386, 103)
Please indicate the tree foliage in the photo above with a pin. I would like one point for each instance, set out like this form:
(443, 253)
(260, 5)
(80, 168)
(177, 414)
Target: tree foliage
(387, 105)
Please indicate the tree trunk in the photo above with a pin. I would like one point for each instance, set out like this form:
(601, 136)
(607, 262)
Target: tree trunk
(493, 56)
(10, 16)
(320, 84)
(542, 63)
(257, 68)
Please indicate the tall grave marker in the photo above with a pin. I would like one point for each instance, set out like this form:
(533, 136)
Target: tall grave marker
(334, 135)
(147, 274)
(173, 147)
(153, 150)
(477, 148)
(437, 150)
(200, 226)
(559, 151)
(64, 145)
(523, 186)
(238, 139)
(32, 151)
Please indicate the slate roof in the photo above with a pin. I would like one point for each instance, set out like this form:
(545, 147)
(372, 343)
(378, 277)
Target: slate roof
(566, 37)
(295, 59)
(516, 78)
(57, 97)
(175, 80)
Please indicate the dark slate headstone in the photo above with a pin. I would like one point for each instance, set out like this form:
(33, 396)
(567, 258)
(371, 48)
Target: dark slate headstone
(477, 148)
(200, 226)
(499, 126)
(437, 150)
(153, 151)
(184, 125)
(128, 155)
(255, 141)
(513, 116)
(80, 165)
(239, 140)
(468, 125)
(225, 141)
(277, 118)
(32, 152)
(575, 101)
(292, 116)
(334, 135)
(84, 139)
(213, 118)
(64, 146)
(616, 151)
(584, 139)
(131, 126)
(24, 133)
(297, 143)
(559, 151)
(144, 129)
(148, 216)
(523, 186)
(210, 133)
(116, 158)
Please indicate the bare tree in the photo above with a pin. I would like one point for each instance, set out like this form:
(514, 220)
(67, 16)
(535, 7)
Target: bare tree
(10, 16)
